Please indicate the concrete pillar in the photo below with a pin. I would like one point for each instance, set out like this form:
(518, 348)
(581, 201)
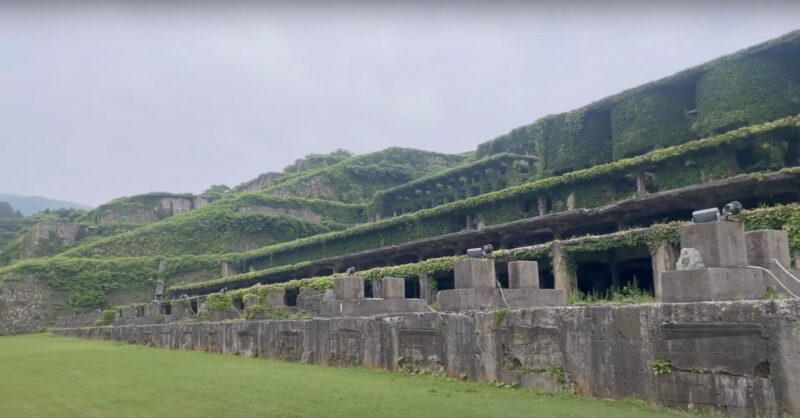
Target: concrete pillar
(393, 288)
(377, 288)
(228, 269)
(425, 291)
(765, 245)
(251, 300)
(523, 275)
(663, 260)
(474, 273)
(571, 201)
(721, 243)
(348, 288)
(542, 202)
(277, 297)
(641, 188)
(564, 278)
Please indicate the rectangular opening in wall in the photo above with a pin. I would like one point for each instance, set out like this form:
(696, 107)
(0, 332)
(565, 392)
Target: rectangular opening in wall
(412, 288)
(445, 282)
(291, 296)
(166, 309)
(546, 278)
(368, 289)
(638, 272)
(193, 305)
(594, 278)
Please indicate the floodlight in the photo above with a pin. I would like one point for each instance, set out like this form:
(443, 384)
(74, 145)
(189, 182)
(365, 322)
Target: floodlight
(705, 215)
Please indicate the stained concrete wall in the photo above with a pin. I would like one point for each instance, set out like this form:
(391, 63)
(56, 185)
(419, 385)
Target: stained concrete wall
(741, 358)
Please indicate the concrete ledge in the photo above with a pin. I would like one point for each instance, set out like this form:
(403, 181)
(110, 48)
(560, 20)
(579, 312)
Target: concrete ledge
(713, 284)
(370, 307)
(472, 299)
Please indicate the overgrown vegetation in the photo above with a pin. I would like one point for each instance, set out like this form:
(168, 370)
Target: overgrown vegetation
(752, 86)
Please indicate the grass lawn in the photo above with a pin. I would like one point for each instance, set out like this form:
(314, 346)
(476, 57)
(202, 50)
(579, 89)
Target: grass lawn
(46, 376)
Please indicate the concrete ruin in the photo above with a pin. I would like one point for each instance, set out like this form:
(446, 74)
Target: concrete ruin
(717, 264)
(739, 358)
(477, 287)
(349, 300)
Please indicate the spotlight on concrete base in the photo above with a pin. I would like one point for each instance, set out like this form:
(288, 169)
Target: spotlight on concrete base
(732, 209)
(705, 215)
(481, 252)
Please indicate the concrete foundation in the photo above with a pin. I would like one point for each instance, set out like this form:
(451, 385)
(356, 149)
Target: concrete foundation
(721, 244)
(474, 273)
(392, 288)
(472, 299)
(713, 284)
(370, 307)
(523, 275)
(738, 358)
(765, 245)
(348, 288)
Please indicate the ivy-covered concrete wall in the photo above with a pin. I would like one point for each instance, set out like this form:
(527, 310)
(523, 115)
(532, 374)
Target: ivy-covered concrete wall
(756, 85)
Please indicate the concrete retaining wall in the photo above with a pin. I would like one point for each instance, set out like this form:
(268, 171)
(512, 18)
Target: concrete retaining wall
(741, 358)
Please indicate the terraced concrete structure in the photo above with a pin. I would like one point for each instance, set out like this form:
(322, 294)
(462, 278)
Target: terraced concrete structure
(587, 201)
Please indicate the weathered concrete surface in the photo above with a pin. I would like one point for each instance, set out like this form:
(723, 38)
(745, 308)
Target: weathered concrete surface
(392, 288)
(523, 275)
(765, 245)
(471, 299)
(721, 243)
(474, 273)
(348, 288)
(741, 358)
(713, 284)
(370, 307)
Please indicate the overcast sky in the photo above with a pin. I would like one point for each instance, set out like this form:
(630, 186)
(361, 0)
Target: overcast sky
(109, 99)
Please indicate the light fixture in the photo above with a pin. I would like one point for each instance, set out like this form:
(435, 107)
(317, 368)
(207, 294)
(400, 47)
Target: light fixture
(705, 215)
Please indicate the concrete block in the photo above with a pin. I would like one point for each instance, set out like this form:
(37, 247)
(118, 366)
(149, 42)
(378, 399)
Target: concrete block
(523, 275)
(721, 243)
(348, 288)
(251, 300)
(277, 297)
(473, 299)
(765, 245)
(370, 307)
(712, 284)
(474, 273)
(393, 288)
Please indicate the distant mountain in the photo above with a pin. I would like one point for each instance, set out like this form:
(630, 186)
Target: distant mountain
(29, 205)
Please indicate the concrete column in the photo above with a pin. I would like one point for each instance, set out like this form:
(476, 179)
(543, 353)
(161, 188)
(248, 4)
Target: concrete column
(277, 297)
(720, 244)
(523, 275)
(765, 245)
(542, 202)
(425, 291)
(348, 288)
(571, 201)
(393, 288)
(641, 188)
(564, 278)
(474, 273)
(663, 260)
(377, 288)
(228, 269)
(251, 300)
